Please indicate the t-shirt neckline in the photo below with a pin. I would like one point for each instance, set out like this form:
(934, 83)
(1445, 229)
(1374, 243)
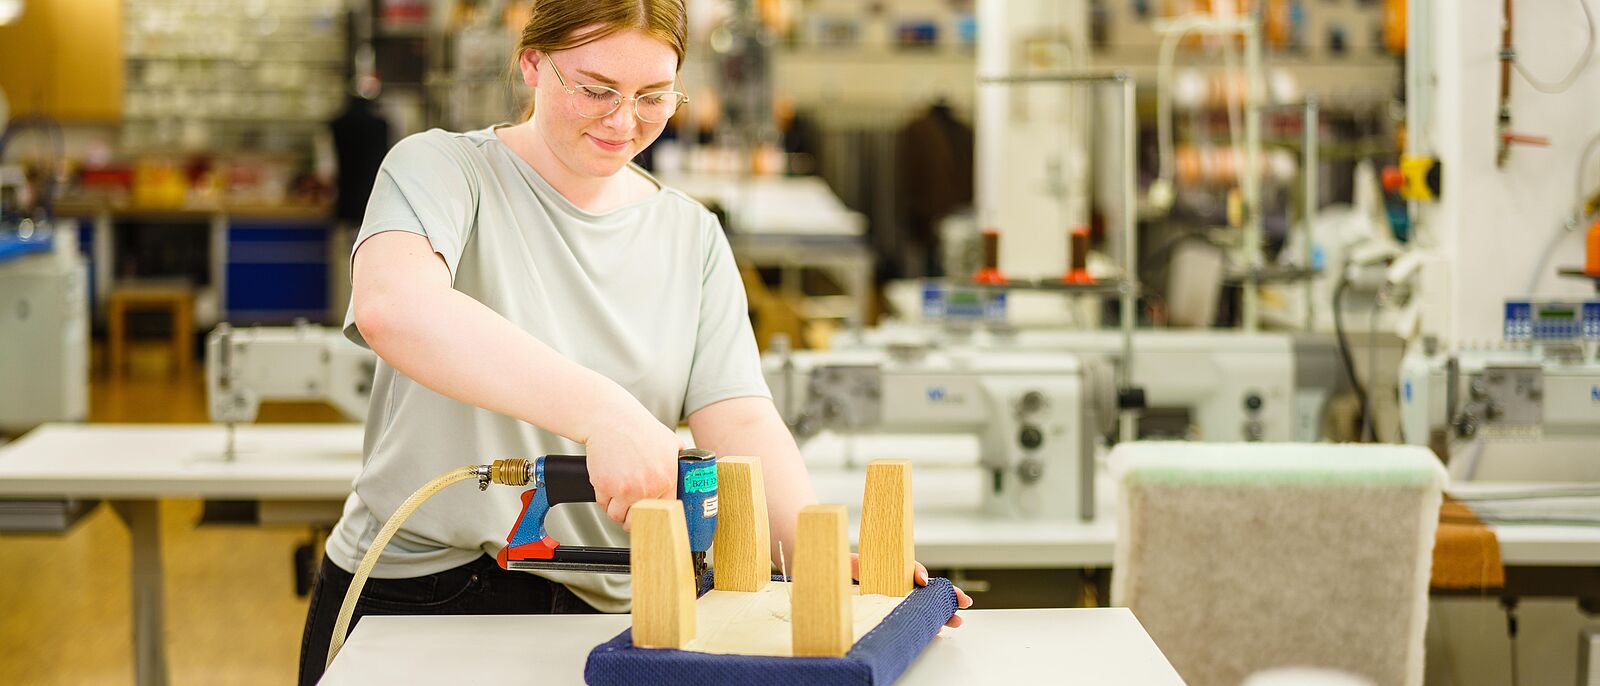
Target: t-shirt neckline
(543, 184)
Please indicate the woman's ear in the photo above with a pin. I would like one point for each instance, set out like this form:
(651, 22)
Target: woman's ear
(528, 63)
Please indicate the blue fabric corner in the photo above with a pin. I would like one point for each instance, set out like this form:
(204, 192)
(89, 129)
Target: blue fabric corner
(876, 660)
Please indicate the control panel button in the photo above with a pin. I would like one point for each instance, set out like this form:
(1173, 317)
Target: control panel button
(1030, 437)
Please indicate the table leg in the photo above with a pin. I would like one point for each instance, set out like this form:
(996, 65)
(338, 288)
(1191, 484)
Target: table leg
(143, 519)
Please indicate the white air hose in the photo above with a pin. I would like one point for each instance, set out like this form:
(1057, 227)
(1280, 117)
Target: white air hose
(510, 472)
(1161, 191)
(1577, 67)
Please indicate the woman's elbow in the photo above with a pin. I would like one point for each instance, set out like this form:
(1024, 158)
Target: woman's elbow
(376, 318)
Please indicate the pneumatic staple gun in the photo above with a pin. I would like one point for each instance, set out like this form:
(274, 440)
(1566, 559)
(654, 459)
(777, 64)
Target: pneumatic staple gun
(561, 479)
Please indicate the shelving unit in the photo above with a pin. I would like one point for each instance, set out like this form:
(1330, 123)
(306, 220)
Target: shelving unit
(220, 78)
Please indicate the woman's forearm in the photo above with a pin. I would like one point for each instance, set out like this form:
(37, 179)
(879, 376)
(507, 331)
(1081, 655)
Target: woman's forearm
(458, 347)
(789, 490)
(751, 426)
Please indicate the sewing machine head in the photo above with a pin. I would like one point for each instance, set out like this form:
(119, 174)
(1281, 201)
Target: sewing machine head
(1038, 416)
(287, 363)
(1199, 385)
(1527, 409)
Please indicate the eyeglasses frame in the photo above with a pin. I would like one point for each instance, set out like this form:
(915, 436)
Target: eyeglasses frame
(683, 98)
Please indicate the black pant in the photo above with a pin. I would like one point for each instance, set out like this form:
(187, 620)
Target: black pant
(479, 587)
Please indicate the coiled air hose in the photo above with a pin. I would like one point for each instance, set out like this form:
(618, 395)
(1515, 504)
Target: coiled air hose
(514, 472)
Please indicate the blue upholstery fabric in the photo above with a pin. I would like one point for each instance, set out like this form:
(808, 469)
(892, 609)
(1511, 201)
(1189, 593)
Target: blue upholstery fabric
(876, 660)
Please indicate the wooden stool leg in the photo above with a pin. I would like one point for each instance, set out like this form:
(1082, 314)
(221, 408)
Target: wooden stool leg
(182, 327)
(743, 546)
(820, 605)
(115, 314)
(888, 553)
(663, 580)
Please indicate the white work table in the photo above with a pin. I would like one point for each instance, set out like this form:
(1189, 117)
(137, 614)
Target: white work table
(133, 466)
(133, 463)
(1541, 545)
(146, 461)
(1090, 646)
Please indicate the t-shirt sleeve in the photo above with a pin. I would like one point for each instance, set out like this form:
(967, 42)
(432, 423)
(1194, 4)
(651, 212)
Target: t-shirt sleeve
(425, 186)
(726, 363)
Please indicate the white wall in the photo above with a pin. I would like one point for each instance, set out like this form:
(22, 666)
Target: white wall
(1491, 224)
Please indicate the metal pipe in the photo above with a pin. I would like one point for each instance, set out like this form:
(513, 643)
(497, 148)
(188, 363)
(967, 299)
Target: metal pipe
(1508, 54)
(1250, 177)
(1310, 158)
(1059, 77)
(1129, 288)
(225, 375)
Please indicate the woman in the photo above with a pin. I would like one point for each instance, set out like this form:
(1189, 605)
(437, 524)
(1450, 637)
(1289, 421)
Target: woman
(529, 291)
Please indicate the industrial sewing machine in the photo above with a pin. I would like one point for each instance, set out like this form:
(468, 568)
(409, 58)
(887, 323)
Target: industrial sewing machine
(1037, 416)
(1198, 385)
(286, 363)
(1518, 425)
(1528, 408)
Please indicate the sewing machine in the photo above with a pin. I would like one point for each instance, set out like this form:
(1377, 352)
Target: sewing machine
(1198, 385)
(285, 363)
(1527, 409)
(1037, 415)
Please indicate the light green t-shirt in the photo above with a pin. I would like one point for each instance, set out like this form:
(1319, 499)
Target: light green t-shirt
(646, 294)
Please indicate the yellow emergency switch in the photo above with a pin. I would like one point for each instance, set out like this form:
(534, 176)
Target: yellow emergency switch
(1422, 178)
(1417, 178)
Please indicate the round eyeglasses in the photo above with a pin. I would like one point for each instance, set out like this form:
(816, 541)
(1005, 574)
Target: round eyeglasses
(595, 101)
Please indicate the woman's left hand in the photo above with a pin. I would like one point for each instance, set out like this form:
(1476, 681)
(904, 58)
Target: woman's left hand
(920, 576)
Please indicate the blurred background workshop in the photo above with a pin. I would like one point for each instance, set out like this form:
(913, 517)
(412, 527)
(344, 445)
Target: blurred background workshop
(1003, 238)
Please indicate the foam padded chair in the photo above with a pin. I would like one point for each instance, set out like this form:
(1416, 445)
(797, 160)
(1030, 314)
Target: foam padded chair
(1239, 558)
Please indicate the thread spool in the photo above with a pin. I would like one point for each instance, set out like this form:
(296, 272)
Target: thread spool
(1078, 273)
(989, 273)
(1591, 262)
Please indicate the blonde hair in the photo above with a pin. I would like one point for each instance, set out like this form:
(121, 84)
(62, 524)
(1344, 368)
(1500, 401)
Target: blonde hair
(555, 24)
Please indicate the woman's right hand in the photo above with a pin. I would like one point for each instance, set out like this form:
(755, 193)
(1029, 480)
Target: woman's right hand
(631, 459)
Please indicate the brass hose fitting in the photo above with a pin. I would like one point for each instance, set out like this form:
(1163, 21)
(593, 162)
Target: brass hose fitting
(512, 472)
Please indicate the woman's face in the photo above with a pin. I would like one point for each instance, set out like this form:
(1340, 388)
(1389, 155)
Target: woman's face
(628, 61)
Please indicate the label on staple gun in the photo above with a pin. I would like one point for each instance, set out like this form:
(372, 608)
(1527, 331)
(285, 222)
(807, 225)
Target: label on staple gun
(702, 480)
(709, 507)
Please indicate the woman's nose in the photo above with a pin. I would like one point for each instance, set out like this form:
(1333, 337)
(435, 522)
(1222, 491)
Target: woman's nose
(622, 119)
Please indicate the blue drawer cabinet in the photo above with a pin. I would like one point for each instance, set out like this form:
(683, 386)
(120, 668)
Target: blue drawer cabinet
(276, 272)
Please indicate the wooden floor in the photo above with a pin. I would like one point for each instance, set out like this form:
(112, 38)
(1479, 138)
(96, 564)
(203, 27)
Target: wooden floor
(232, 616)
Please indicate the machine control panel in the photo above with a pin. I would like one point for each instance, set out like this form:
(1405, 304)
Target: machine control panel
(956, 304)
(1512, 400)
(1541, 321)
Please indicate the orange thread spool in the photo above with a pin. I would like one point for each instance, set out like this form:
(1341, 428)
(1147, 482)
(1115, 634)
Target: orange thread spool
(989, 273)
(1591, 261)
(1078, 273)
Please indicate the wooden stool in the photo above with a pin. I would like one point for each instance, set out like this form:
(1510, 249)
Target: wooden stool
(177, 299)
